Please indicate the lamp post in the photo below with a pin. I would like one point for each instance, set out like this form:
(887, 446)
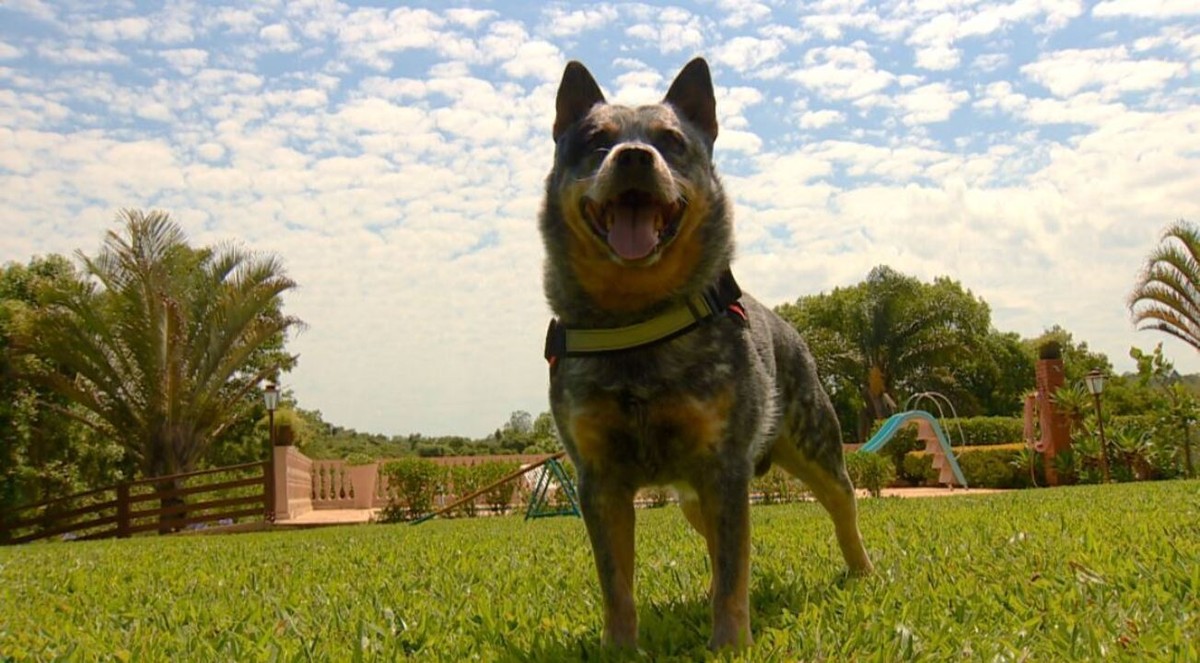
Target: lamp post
(1095, 386)
(271, 398)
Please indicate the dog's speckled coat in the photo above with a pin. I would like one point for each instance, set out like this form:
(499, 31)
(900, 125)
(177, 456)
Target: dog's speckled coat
(702, 411)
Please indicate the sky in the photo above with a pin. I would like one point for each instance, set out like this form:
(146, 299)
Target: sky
(394, 158)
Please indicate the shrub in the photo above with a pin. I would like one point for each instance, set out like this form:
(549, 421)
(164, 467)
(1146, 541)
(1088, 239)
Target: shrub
(996, 466)
(778, 487)
(499, 498)
(412, 483)
(464, 480)
(871, 471)
(655, 497)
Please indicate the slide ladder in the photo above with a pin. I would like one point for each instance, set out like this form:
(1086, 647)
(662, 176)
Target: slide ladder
(930, 432)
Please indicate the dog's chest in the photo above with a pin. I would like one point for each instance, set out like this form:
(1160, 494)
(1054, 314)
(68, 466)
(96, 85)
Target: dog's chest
(656, 418)
(651, 440)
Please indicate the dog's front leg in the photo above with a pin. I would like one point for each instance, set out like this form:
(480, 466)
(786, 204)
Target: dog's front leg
(608, 513)
(725, 504)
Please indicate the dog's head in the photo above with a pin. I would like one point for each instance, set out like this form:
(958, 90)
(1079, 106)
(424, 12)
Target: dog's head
(641, 211)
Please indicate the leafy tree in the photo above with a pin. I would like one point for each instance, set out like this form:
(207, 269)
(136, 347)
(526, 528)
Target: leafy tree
(889, 337)
(995, 380)
(43, 454)
(1177, 406)
(163, 348)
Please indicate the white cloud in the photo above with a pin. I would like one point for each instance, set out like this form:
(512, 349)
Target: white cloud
(1159, 9)
(185, 60)
(820, 119)
(278, 37)
(1067, 72)
(536, 59)
(79, 54)
(670, 31)
(470, 18)
(737, 13)
(842, 72)
(412, 145)
(9, 52)
(133, 28)
(559, 22)
(990, 61)
(747, 53)
(930, 103)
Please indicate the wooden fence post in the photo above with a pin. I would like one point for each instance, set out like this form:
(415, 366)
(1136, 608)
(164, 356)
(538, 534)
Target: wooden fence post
(123, 510)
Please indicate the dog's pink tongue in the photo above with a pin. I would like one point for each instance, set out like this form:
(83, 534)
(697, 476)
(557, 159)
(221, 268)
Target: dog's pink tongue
(632, 234)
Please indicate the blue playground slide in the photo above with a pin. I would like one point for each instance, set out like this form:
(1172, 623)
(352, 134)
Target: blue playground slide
(897, 421)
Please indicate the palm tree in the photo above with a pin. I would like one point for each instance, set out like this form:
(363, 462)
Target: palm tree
(1166, 296)
(888, 336)
(164, 348)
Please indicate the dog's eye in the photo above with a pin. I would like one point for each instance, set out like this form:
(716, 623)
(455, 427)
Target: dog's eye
(599, 139)
(671, 142)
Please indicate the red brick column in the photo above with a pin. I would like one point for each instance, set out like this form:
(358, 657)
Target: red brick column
(1055, 431)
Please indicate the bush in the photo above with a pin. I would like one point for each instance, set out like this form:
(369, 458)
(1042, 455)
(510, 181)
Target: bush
(412, 485)
(655, 497)
(996, 466)
(871, 471)
(464, 480)
(500, 498)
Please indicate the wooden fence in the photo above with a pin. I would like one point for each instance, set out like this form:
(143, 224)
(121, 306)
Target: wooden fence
(223, 495)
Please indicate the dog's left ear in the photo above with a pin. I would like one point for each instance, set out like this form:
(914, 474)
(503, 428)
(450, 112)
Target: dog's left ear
(577, 93)
(692, 96)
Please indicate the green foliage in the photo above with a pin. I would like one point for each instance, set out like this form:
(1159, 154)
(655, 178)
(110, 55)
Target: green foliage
(412, 485)
(500, 498)
(871, 471)
(1077, 574)
(358, 458)
(162, 348)
(889, 337)
(777, 487)
(1164, 296)
(45, 451)
(997, 466)
(654, 497)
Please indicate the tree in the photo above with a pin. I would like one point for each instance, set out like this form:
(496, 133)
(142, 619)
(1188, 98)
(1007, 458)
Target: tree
(889, 337)
(1177, 405)
(1166, 296)
(43, 454)
(163, 348)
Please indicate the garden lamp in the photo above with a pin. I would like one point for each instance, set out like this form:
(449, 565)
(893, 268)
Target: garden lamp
(271, 398)
(1095, 386)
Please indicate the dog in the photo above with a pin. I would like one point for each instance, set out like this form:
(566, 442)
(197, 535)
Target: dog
(662, 371)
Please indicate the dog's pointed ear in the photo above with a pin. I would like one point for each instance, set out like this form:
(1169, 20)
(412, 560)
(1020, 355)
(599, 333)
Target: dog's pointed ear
(577, 93)
(692, 96)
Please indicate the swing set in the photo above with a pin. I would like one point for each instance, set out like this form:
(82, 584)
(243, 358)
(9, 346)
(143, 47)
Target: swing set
(540, 503)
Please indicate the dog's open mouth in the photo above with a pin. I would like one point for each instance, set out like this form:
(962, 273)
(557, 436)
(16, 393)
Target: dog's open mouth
(634, 223)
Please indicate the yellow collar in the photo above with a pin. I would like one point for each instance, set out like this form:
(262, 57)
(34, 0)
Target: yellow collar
(562, 341)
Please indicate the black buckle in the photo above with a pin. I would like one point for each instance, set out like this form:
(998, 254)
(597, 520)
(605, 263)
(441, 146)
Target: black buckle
(556, 341)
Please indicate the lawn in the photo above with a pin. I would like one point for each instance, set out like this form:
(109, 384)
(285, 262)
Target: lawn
(1075, 573)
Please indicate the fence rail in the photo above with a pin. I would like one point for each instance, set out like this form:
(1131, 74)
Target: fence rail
(147, 505)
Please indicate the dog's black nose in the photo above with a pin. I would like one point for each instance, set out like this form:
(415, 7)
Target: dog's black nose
(635, 157)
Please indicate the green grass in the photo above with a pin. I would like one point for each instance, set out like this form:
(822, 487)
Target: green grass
(1079, 573)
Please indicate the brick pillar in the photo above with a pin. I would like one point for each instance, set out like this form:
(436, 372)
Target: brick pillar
(1056, 433)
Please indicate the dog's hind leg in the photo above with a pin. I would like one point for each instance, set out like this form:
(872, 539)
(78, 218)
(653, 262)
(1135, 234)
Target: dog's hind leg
(826, 477)
(607, 508)
(689, 503)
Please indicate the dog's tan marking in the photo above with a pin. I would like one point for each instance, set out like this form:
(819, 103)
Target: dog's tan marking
(676, 433)
(627, 288)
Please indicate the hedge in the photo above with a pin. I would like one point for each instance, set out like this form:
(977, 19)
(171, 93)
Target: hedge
(995, 466)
